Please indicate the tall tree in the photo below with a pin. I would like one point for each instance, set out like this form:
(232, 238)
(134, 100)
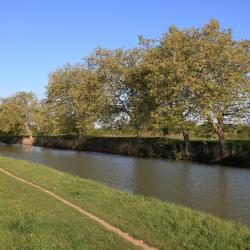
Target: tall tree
(89, 100)
(110, 67)
(221, 80)
(74, 99)
(166, 63)
(17, 114)
(142, 103)
(200, 74)
(59, 100)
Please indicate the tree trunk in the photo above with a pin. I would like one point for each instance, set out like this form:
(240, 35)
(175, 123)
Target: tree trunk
(220, 132)
(187, 142)
(28, 131)
(165, 131)
(185, 136)
(221, 136)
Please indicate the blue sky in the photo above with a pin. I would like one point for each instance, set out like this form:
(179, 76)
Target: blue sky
(38, 36)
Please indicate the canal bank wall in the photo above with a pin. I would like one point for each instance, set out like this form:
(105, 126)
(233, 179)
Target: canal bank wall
(235, 153)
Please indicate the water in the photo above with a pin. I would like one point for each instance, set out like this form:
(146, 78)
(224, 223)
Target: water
(219, 190)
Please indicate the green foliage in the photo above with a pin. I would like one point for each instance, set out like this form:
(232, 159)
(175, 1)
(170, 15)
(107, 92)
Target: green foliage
(185, 78)
(74, 99)
(240, 131)
(199, 75)
(221, 77)
(18, 114)
(128, 98)
(204, 131)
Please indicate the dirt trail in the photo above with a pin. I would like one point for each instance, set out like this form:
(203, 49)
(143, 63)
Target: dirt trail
(108, 226)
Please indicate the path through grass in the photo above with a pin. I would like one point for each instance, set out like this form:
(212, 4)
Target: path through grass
(30, 219)
(160, 224)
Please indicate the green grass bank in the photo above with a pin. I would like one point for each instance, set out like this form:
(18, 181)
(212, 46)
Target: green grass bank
(30, 219)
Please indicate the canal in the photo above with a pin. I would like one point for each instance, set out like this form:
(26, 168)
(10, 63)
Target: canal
(219, 190)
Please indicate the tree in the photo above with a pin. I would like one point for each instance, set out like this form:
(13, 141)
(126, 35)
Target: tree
(166, 63)
(142, 104)
(59, 100)
(110, 67)
(200, 75)
(120, 74)
(89, 99)
(185, 78)
(222, 87)
(45, 119)
(17, 114)
(74, 99)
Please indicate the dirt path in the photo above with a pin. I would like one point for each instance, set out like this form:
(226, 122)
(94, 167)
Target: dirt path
(108, 226)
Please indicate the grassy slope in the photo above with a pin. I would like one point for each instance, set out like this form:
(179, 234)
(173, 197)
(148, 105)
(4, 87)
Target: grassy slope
(30, 219)
(160, 224)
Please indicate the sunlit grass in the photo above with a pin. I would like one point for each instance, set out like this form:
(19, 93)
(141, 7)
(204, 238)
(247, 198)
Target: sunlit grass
(160, 224)
(31, 220)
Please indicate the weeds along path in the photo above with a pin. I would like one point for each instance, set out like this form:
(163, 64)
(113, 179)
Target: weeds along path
(108, 226)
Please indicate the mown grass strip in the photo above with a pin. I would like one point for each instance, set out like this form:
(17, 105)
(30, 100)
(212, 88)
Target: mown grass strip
(111, 228)
(31, 220)
(159, 224)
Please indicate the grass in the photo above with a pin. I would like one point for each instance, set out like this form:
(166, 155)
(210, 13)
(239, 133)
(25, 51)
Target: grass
(155, 134)
(32, 220)
(160, 224)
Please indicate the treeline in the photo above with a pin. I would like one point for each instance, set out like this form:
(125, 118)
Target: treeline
(186, 79)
